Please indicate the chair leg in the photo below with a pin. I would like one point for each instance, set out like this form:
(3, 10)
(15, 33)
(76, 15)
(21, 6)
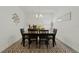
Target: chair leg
(36, 43)
(39, 43)
(29, 43)
(55, 42)
(23, 41)
(47, 43)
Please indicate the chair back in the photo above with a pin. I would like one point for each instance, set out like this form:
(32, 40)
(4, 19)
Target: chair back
(55, 31)
(32, 31)
(22, 31)
(43, 32)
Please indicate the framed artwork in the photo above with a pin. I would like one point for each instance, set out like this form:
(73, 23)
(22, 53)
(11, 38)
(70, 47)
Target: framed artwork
(15, 18)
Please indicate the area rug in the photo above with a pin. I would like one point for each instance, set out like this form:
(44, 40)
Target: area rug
(59, 48)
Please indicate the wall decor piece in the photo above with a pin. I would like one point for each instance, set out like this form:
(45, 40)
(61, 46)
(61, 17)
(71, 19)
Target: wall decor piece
(65, 17)
(15, 18)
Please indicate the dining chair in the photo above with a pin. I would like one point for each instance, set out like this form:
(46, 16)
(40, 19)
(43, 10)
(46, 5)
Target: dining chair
(53, 37)
(32, 37)
(43, 38)
(55, 32)
(22, 31)
(23, 37)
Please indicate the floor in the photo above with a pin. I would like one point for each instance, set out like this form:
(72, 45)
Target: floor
(59, 48)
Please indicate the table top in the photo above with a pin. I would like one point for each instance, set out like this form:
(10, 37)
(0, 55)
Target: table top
(38, 30)
(38, 33)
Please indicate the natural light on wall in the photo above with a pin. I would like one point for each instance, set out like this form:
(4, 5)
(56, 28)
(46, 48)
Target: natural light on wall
(37, 16)
(65, 17)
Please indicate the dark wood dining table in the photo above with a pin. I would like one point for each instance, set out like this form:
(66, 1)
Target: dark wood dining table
(38, 35)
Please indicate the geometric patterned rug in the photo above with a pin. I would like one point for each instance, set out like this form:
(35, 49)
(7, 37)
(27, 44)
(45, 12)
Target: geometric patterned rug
(59, 48)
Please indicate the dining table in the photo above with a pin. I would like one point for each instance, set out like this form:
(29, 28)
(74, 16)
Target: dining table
(49, 35)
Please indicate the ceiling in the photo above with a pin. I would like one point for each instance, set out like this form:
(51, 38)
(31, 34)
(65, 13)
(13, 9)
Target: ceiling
(54, 11)
(45, 9)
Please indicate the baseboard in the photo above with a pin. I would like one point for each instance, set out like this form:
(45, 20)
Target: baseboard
(67, 46)
(7, 46)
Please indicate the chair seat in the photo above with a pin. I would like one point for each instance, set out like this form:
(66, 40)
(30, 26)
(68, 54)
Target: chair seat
(26, 37)
(50, 37)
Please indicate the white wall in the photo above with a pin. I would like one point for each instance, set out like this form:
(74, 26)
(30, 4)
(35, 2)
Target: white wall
(68, 31)
(9, 31)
